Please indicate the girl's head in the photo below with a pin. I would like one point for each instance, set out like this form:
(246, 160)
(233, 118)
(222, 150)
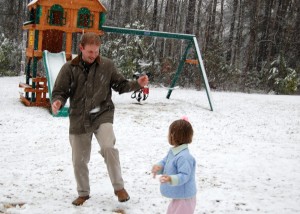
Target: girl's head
(180, 132)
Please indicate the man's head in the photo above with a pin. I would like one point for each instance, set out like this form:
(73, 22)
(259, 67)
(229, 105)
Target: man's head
(89, 46)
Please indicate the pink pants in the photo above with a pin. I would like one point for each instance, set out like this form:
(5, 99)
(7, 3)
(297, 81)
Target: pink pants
(182, 206)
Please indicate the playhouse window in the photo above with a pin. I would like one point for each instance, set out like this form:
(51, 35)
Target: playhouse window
(56, 15)
(32, 15)
(85, 18)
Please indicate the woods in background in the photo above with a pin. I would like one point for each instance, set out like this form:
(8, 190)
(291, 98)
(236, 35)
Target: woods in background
(246, 44)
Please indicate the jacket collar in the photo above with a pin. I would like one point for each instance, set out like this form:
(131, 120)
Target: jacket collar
(76, 60)
(178, 149)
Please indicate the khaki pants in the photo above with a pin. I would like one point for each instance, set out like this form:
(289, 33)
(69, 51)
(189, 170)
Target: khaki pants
(81, 151)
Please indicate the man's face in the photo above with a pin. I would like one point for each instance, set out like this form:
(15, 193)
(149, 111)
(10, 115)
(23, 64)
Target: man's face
(89, 53)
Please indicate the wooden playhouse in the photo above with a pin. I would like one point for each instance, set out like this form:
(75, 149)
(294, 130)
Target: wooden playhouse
(52, 26)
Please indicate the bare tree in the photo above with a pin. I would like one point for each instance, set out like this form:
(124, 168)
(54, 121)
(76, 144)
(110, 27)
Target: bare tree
(279, 26)
(139, 10)
(210, 24)
(265, 40)
(118, 7)
(190, 21)
(220, 25)
(198, 23)
(239, 35)
(129, 4)
(111, 15)
(295, 49)
(154, 16)
(250, 58)
(231, 31)
(182, 11)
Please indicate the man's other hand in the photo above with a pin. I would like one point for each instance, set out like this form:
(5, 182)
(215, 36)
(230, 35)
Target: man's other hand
(143, 80)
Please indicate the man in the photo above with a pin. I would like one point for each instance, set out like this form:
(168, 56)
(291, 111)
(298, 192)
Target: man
(87, 80)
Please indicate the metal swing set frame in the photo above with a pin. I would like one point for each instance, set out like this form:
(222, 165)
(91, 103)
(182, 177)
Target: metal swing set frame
(191, 43)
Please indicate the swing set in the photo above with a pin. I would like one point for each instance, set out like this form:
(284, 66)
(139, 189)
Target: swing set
(51, 26)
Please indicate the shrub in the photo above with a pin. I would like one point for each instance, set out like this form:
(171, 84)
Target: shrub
(282, 79)
(10, 57)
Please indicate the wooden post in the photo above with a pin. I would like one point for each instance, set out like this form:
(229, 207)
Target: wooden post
(69, 45)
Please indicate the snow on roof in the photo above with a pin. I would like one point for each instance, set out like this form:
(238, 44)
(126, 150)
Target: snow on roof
(35, 1)
(32, 3)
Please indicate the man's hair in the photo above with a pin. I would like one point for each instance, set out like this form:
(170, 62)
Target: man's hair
(180, 132)
(90, 38)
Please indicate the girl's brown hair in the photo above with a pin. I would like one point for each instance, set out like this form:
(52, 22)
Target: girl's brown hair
(180, 132)
(90, 38)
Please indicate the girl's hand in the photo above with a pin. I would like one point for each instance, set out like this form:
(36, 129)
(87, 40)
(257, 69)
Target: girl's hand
(155, 169)
(165, 179)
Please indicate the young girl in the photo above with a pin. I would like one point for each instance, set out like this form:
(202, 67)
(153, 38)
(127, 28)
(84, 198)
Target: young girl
(178, 170)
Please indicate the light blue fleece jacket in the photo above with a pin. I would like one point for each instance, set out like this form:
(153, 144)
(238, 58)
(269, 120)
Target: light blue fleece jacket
(181, 166)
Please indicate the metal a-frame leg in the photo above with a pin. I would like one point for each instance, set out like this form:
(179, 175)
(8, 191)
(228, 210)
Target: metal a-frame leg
(203, 73)
(201, 69)
(179, 69)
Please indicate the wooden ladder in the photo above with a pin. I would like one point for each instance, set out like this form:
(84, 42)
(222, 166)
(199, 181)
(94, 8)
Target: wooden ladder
(38, 90)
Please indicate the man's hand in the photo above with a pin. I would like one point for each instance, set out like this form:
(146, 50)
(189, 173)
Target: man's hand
(55, 106)
(143, 80)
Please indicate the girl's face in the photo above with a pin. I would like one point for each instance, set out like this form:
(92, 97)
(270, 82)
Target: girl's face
(170, 139)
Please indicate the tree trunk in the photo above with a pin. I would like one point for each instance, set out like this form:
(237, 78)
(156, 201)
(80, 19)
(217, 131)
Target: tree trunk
(210, 29)
(139, 10)
(129, 4)
(166, 16)
(278, 26)
(146, 7)
(111, 14)
(20, 20)
(220, 26)
(165, 27)
(252, 40)
(172, 14)
(190, 21)
(264, 41)
(160, 13)
(231, 31)
(295, 62)
(154, 16)
(208, 23)
(213, 19)
(118, 7)
(239, 36)
(182, 10)
(198, 24)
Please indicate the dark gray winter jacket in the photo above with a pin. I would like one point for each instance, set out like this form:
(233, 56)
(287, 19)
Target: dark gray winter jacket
(90, 92)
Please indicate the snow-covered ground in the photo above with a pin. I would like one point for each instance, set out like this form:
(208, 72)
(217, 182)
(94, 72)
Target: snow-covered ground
(247, 152)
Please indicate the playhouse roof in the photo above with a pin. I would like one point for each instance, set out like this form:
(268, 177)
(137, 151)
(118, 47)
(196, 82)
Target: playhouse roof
(34, 2)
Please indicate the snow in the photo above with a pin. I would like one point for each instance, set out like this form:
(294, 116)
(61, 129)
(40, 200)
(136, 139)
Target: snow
(32, 2)
(247, 152)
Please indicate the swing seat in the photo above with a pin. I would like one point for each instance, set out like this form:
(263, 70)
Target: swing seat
(192, 61)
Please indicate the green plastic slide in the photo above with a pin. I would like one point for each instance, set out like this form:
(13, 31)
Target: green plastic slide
(53, 63)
